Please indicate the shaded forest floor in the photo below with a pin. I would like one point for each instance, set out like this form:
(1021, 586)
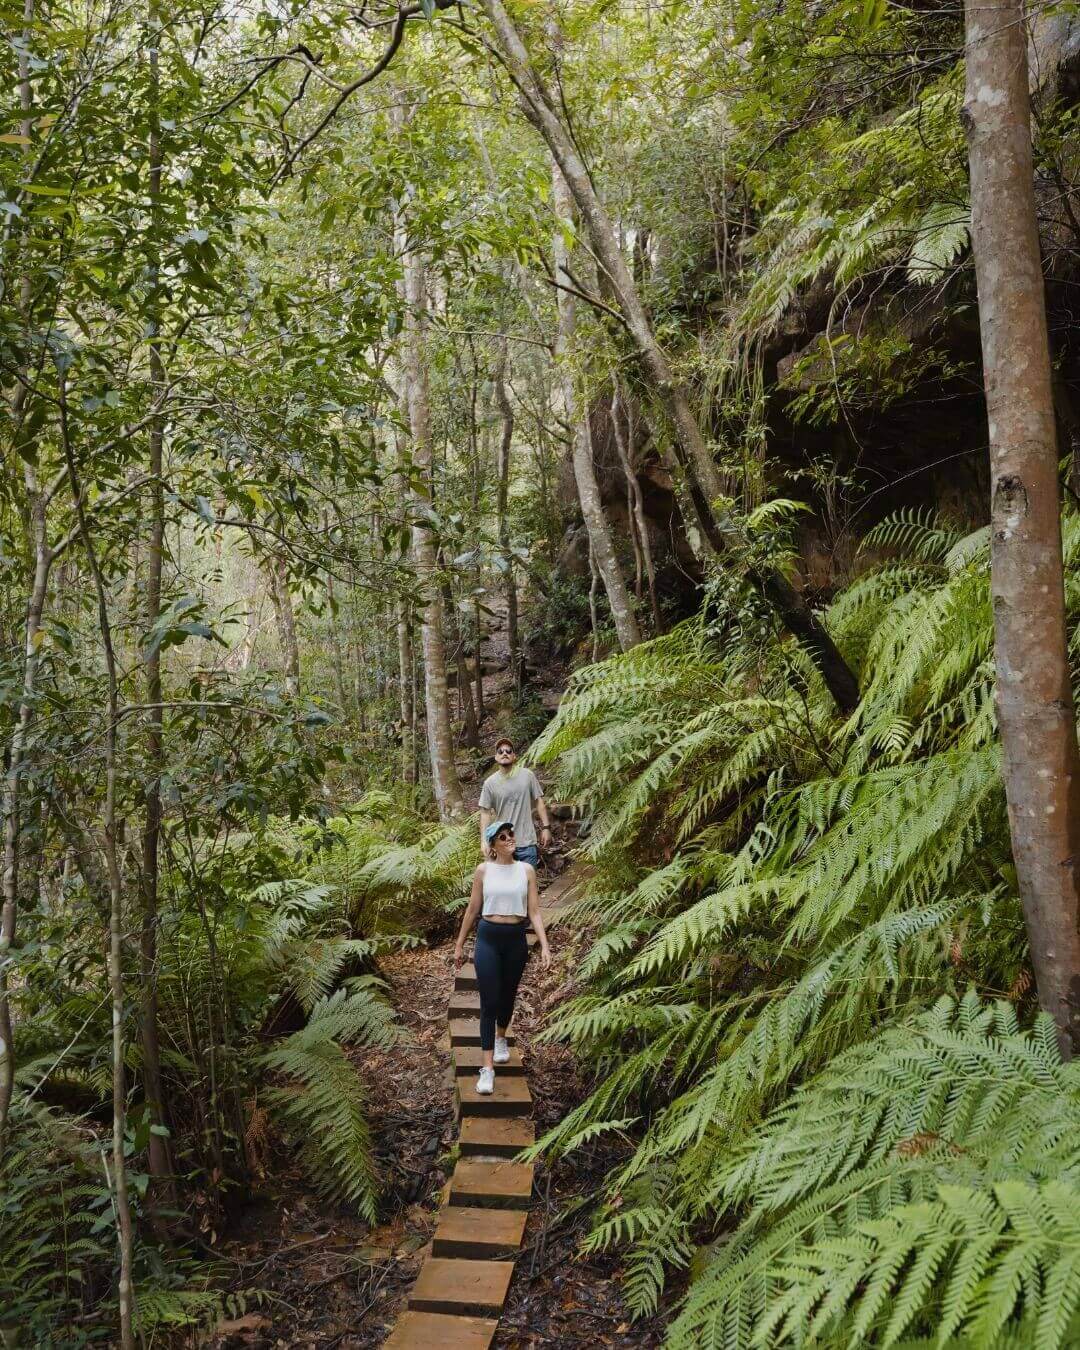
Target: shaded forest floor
(320, 1277)
(328, 1280)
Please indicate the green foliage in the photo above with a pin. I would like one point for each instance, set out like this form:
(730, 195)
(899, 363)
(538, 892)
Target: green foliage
(56, 1234)
(925, 1182)
(782, 899)
(396, 871)
(323, 1103)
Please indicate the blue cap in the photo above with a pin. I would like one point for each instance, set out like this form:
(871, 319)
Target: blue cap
(494, 828)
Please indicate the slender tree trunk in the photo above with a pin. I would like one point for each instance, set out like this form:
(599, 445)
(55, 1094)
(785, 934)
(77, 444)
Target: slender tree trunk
(478, 674)
(437, 703)
(625, 448)
(286, 622)
(42, 563)
(406, 656)
(601, 543)
(702, 485)
(12, 800)
(335, 646)
(594, 591)
(470, 728)
(506, 411)
(251, 627)
(112, 829)
(477, 478)
(160, 1162)
(1033, 693)
(405, 685)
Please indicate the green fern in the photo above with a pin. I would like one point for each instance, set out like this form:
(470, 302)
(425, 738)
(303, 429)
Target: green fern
(823, 883)
(322, 1104)
(928, 1176)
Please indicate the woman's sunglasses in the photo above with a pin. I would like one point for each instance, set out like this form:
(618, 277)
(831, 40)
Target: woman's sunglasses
(503, 835)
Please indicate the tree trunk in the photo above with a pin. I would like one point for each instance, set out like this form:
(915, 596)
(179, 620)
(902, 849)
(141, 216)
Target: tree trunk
(477, 478)
(42, 564)
(594, 618)
(702, 481)
(1033, 693)
(160, 1162)
(286, 621)
(437, 703)
(470, 727)
(635, 502)
(12, 799)
(601, 542)
(405, 687)
(337, 655)
(112, 828)
(502, 512)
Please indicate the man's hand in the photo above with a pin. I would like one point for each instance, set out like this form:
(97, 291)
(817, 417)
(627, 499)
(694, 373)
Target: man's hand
(545, 829)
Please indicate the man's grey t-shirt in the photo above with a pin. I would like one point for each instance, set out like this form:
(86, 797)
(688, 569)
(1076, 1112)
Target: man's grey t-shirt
(511, 797)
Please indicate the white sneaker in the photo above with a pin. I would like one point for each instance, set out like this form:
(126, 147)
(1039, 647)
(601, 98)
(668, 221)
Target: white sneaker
(485, 1084)
(502, 1050)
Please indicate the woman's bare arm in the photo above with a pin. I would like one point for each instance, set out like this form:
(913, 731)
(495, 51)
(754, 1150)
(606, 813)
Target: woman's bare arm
(472, 909)
(536, 918)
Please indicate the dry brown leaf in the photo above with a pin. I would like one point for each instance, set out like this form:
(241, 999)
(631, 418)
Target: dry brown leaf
(251, 1322)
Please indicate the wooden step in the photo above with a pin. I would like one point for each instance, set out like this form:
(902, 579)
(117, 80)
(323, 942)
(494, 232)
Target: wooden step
(510, 1098)
(491, 1185)
(468, 1058)
(438, 1331)
(466, 1004)
(469, 1288)
(466, 1031)
(495, 1136)
(479, 1234)
(465, 978)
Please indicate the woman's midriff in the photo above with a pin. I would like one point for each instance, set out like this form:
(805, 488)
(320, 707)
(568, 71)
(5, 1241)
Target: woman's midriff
(502, 918)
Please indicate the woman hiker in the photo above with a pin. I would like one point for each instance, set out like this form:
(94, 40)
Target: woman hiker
(506, 896)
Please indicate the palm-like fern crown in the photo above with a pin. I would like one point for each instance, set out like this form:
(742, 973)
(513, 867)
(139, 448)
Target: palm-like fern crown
(781, 993)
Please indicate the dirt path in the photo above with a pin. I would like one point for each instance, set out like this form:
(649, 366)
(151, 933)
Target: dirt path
(323, 1280)
(328, 1281)
(558, 1298)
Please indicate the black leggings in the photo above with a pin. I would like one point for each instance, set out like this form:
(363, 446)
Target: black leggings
(500, 956)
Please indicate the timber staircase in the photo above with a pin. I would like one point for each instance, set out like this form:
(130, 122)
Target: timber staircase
(461, 1288)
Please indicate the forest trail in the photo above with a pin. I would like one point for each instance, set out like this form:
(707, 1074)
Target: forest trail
(329, 1282)
(465, 1278)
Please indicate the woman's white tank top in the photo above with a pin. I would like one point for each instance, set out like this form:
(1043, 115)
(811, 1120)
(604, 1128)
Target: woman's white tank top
(506, 889)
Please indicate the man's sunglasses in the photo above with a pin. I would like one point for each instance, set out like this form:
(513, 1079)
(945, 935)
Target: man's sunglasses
(505, 750)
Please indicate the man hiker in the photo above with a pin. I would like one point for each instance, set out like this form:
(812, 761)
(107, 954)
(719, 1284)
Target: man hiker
(513, 794)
